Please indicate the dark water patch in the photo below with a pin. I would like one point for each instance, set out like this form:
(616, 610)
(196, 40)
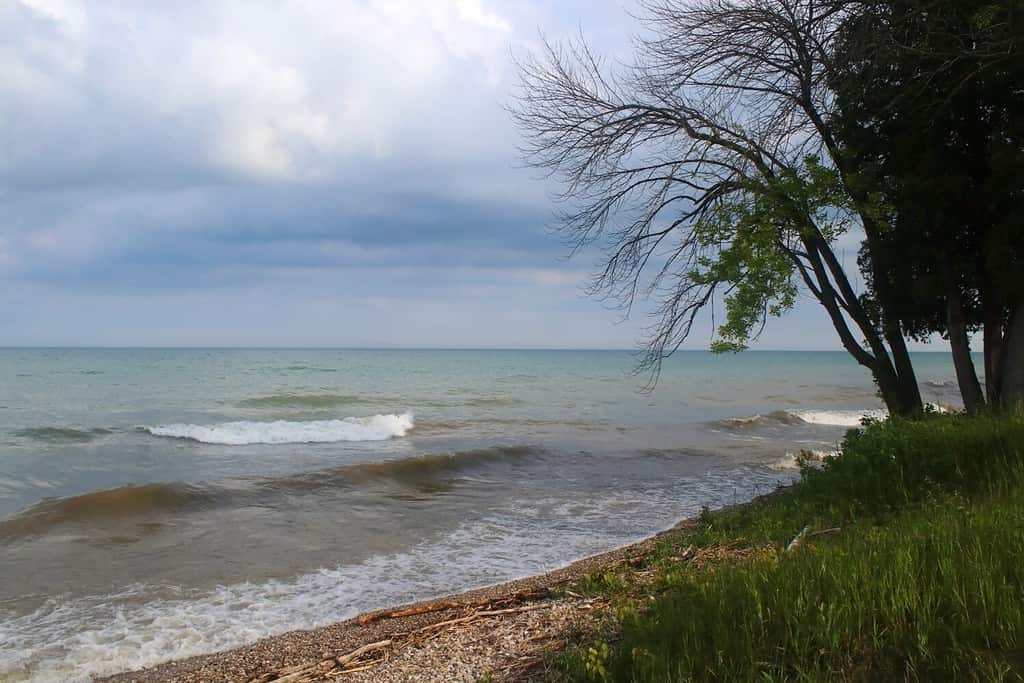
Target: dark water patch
(411, 469)
(122, 540)
(150, 504)
(432, 426)
(674, 453)
(98, 506)
(308, 368)
(444, 425)
(57, 435)
(303, 401)
(91, 372)
(492, 402)
(520, 377)
(778, 398)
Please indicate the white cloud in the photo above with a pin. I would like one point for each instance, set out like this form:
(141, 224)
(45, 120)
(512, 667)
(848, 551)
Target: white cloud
(162, 156)
(302, 90)
(551, 277)
(68, 14)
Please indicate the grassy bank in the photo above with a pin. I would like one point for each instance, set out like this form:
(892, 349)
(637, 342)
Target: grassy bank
(908, 564)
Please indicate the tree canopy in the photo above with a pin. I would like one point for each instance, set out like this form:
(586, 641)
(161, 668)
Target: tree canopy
(930, 114)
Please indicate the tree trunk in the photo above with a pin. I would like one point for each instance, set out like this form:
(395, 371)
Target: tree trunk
(907, 392)
(993, 347)
(1011, 380)
(893, 392)
(959, 342)
(910, 392)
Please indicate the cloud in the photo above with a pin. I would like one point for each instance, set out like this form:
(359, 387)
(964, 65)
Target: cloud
(104, 91)
(333, 172)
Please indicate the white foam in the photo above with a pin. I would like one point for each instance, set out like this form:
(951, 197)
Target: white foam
(840, 418)
(791, 461)
(852, 418)
(374, 428)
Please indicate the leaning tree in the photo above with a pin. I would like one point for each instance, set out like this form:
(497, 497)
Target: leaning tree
(709, 169)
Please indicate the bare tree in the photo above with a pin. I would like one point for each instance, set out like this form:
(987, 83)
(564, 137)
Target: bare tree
(708, 168)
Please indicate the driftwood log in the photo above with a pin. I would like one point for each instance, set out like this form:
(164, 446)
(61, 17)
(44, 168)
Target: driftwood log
(521, 596)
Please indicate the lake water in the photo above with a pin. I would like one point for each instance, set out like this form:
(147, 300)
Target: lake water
(160, 503)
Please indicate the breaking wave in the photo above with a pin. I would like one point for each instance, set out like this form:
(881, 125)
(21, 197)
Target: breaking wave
(791, 461)
(778, 417)
(841, 418)
(781, 418)
(374, 428)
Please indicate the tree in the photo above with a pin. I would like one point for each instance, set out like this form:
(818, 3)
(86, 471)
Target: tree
(930, 111)
(709, 168)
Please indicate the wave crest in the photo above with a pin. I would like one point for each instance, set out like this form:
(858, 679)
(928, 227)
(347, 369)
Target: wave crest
(245, 432)
(840, 418)
(779, 418)
(792, 460)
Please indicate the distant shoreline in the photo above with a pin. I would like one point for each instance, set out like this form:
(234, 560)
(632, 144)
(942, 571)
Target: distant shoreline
(459, 349)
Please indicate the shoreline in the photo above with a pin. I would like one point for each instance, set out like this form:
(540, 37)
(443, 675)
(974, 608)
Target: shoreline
(311, 654)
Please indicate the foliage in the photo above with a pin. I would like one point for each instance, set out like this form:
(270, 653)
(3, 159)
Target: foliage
(930, 116)
(936, 595)
(890, 464)
(741, 248)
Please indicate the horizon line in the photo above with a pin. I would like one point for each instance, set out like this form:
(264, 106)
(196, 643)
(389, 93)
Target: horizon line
(228, 347)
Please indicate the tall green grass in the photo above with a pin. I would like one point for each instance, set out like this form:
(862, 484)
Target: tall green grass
(888, 465)
(924, 581)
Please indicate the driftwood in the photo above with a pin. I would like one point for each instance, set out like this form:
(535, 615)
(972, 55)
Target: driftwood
(477, 615)
(807, 533)
(797, 540)
(325, 667)
(355, 669)
(411, 611)
(521, 596)
(294, 674)
(360, 651)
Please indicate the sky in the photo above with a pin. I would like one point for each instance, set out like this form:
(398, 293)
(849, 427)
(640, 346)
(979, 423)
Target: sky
(292, 173)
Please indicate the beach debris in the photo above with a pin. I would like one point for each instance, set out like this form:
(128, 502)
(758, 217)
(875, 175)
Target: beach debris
(479, 615)
(344, 660)
(806, 533)
(354, 661)
(797, 540)
(520, 596)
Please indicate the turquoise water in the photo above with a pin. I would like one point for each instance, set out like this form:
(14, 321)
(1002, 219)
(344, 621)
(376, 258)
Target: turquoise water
(160, 503)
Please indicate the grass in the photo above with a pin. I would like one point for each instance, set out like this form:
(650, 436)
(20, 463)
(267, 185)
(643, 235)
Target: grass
(924, 581)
